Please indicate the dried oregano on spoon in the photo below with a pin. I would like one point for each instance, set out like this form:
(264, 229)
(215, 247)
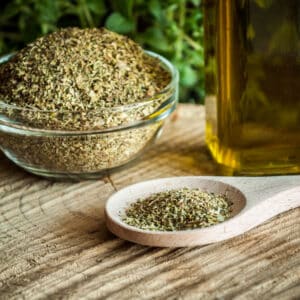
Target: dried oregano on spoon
(178, 210)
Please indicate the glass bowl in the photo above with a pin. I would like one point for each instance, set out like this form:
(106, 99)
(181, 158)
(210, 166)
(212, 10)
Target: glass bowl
(53, 144)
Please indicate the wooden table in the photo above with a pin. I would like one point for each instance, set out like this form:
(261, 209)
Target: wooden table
(54, 243)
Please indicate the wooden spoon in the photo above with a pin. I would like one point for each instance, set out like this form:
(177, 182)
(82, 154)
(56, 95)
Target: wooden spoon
(255, 200)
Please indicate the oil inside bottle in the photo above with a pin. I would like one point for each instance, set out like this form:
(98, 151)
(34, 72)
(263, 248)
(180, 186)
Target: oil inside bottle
(253, 85)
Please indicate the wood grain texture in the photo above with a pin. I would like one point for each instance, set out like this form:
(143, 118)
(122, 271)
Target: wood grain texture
(54, 245)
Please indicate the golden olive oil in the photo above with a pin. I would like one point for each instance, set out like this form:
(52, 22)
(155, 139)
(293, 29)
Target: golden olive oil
(253, 85)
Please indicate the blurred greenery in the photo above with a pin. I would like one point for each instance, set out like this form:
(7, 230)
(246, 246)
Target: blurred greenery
(172, 28)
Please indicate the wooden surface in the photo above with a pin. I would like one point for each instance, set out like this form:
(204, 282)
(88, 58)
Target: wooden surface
(54, 243)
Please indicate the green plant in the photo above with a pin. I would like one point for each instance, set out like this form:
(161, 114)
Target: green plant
(171, 27)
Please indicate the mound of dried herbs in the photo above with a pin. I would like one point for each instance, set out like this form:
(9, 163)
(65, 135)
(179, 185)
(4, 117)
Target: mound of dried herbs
(178, 210)
(81, 79)
(80, 71)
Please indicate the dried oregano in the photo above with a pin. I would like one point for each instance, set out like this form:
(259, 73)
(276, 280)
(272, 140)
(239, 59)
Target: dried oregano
(77, 74)
(178, 210)
(81, 79)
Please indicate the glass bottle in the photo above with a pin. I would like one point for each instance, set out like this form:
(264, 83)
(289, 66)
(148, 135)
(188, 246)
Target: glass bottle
(253, 85)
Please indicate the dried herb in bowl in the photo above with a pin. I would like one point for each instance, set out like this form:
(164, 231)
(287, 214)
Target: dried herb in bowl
(81, 72)
(81, 81)
(178, 210)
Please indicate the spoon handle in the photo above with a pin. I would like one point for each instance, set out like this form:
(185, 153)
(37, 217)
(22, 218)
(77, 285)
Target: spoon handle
(263, 210)
(257, 189)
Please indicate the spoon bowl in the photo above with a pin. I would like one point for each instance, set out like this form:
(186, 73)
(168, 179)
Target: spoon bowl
(255, 199)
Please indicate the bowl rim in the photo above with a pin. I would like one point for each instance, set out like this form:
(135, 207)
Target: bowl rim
(159, 115)
(145, 101)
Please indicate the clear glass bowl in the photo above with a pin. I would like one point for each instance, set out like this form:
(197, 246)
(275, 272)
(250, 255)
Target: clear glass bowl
(46, 143)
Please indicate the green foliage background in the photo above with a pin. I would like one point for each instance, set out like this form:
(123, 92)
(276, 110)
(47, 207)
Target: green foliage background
(172, 28)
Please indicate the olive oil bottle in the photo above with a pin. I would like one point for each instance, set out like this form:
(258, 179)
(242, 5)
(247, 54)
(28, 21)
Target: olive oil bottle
(253, 85)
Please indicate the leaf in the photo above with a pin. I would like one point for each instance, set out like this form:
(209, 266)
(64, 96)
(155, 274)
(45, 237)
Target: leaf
(188, 76)
(156, 39)
(155, 9)
(125, 9)
(96, 6)
(47, 11)
(196, 2)
(118, 23)
(195, 58)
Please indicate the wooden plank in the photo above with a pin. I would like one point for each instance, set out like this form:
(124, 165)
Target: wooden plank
(53, 242)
